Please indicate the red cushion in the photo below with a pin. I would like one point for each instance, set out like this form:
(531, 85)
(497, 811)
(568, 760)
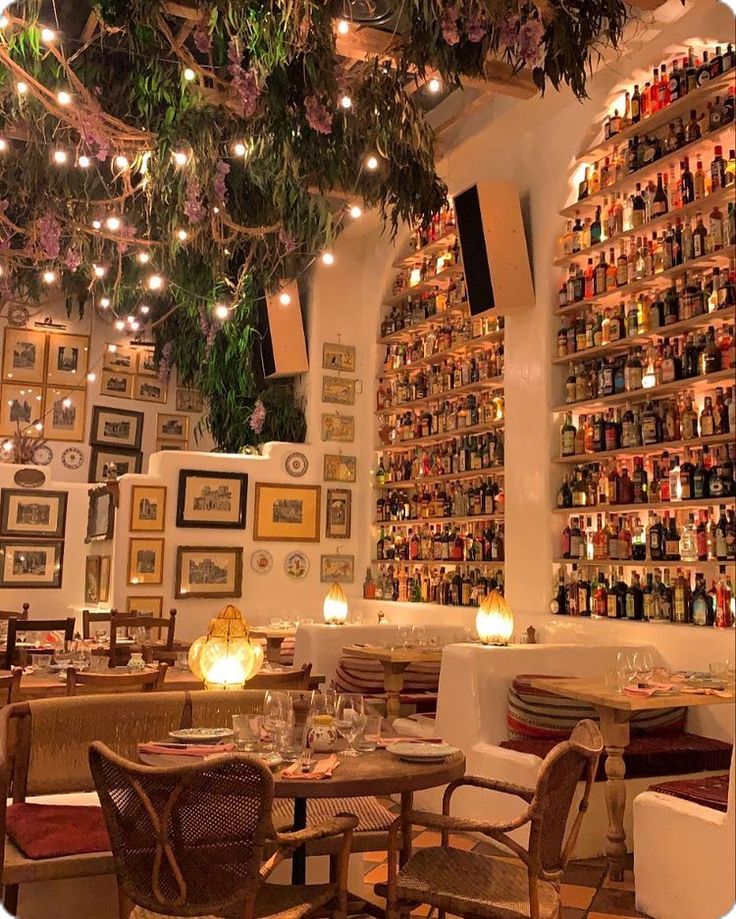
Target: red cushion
(649, 755)
(709, 791)
(55, 830)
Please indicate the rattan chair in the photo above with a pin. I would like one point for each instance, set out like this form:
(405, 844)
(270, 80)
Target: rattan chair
(467, 884)
(86, 683)
(10, 686)
(190, 841)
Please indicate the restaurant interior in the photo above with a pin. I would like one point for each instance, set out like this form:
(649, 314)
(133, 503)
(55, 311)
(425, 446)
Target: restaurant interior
(367, 459)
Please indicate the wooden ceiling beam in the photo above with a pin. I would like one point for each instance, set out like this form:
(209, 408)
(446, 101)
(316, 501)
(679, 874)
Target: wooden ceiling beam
(647, 4)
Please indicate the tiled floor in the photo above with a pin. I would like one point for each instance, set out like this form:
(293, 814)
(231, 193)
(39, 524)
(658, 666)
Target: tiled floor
(586, 893)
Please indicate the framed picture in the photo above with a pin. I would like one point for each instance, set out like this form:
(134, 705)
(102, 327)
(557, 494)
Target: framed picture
(339, 568)
(125, 461)
(147, 508)
(145, 364)
(92, 579)
(172, 427)
(340, 428)
(116, 384)
(339, 390)
(105, 566)
(32, 513)
(339, 468)
(211, 499)
(120, 359)
(149, 389)
(145, 561)
(146, 606)
(203, 572)
(189, 400)
(19, 405)
(289, 513)
(337, 524)
(31, 563)
(100, 514)
(68, 360)
(64, 414)
(162, 445)
(338, 357)
(116, 427)
(24, 355)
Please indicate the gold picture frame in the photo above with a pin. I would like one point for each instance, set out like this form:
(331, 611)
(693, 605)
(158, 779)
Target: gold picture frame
(19, 404)
(338, 428)
(64, 414)
(339, 390)
(339, 569)
(150, 389)
(338, 513)
(117, 385)
(24, 355)
(339, 468)
(287, 513)
(145, 606)
(147, 508)
(339, 358)
(68, 360)
(145, 561)
(189, 400)
(170, 426)
(120, 359)
(145, 363)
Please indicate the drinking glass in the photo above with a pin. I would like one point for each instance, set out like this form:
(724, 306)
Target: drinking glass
(247, 732)
(643, 662)
(350, 720)
(370, 735)
(718, 670)
(624, 669)
(292, 742)
(419, 636)
(405, 636)
(278, 712)
(40, 662)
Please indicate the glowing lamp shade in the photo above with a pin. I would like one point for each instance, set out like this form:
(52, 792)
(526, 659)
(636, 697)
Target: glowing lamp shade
(225, 658)
(494, 622)
(335, 608)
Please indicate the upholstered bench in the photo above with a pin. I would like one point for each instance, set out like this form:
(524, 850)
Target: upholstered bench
(711, 791)
(421, 682)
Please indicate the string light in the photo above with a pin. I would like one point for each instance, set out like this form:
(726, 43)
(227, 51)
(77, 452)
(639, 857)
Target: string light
(91, 377)
(83, 162)
(38, 426)
(343, 26)
(49, 277)
(113, 224)
(8, 445)
(3, 145)
(434, 85)
(121, 162)
(182, 235)
(60, 157)
(356, 211)
(284, 299)
(105, 303)
(47, 34)
(63, 97)
(143, 257)
(328, 258)
(346, 102)
(145, 309)
(67, 403)
(4, 21)
(189, 75)
(135, 325)
(239, 149)
(21, 87)
(130, 319)
(155, 282)
(100, 271)
(180, 157)
(97, 224)
(112, 348)
(119, 325)
(221, 311)
(371, 163)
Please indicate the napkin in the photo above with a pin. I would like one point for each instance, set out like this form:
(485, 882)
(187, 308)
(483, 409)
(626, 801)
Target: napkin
(704, 691)
(639, 691)
(323, 769)
(181, 749)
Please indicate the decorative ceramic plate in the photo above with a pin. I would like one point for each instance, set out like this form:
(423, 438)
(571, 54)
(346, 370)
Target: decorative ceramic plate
(261, 561)
(72, 458)
(42, 455)
(421, 752)
(18, 316)
(201, 735)
(296, 464)
(296, 565)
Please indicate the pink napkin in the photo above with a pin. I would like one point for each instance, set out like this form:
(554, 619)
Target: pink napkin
(639, 691)
(323, 769)
(704, 691)
(181, 749)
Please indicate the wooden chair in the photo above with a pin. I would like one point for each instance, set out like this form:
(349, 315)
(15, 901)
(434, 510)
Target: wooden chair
(468, 885)
(118, 653)
(6, 614)
(84, 683)
(282, 679)
(10, 686)
(192, 840)
(35, 625)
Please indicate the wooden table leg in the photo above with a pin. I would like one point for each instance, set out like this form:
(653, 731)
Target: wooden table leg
(616, 734)
(393, 682)
(407, 805)
(299, 857)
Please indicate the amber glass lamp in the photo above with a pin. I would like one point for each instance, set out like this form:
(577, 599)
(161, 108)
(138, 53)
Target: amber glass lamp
(226, 658)
(335, 608)
(494, 622)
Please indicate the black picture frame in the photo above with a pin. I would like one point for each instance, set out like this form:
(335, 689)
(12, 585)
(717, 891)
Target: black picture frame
(5, 498)
(182, 520)
(96, 440)
(135, 455)
(57, 545)
(235, 552)
(99, 497)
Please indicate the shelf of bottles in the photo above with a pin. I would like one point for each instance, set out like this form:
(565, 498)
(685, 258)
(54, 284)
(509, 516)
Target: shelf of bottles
(647, 308)
(439, 513)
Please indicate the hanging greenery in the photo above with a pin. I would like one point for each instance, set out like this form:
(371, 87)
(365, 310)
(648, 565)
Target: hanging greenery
(177, 164)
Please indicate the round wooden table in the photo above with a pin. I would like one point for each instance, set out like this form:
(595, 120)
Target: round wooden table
(377, 773)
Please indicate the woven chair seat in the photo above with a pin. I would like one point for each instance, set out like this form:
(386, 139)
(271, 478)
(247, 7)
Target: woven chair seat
(373, 817)
(276, 900)
(467, 884)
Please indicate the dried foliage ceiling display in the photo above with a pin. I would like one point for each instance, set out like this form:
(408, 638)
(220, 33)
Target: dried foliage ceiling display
(172, 162)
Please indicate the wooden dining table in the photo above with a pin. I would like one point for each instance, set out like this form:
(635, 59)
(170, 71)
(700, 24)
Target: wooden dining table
(614, 710)
(394, 661)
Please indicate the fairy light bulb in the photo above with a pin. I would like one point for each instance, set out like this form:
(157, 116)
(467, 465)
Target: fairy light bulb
(112, 348)
(67, 403)
(119, 325)
(371, 163)
(135, 325)
(221, 311)
(21, 87)
(328, 258)
(97, 224)
(48, 35)
(60, 157)
(121, 162)
(180, 158)
(83, 162)
(155, 282)
(63, 97)
(38, 426)
(145, 309)
(239, 149)
(3, 145)
(355, 211)
(105, 303)
(91, 377)
(182, 235)
(346, 102)
(343, 27)
(434, 85)
(113, 224)
(284, 299)
(189, 75)
(8, 445)
(130, 319)
(100, 271)
(143, 257)
(4, 21)
(49, 277)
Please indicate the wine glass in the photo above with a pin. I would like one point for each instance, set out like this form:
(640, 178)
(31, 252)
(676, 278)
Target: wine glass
(350, 720)
(278, 712)
(624, 669)
(643, 662)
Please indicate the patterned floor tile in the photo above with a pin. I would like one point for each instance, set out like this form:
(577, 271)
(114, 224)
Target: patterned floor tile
(430, 838)
(615, 902)
(577, 896)
(377, 875)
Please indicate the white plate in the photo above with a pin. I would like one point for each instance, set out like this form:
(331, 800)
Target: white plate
(422, 752)
(201, 735)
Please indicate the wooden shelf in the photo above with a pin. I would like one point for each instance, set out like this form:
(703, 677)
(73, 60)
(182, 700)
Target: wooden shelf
(698, 383)
(418, 256)
(671, 446)
(450, 563)
(491, 383)
(655, 280)
(466, 347)
(490, 472)
(624, 344)
(437, 280)
(417, 328)
(647, 565)
(660, 119)
(477, 518)
(721, 136)
(704, 205)
(642, 508)
(404, 445)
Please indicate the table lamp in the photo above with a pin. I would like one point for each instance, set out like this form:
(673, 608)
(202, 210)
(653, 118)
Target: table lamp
(335, 608)
(226, 658)
(494, 621)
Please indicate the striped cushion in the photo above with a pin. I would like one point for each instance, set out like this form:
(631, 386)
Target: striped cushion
(354, 674)
(372, 815)
(287, 652)
(539, 715)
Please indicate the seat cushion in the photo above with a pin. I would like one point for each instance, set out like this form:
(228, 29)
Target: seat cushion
(649, 755)
(354, 674)
(539, 715)
(709, 791)
(468, 884)
(53, 830)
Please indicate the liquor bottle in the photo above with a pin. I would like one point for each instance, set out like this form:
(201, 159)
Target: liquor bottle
(718, 170)
(567, 437)
(558, 605)
(659, 202)
(702, 608)
(635, 599)
(655, 539)
(671, 539)
(681, 599)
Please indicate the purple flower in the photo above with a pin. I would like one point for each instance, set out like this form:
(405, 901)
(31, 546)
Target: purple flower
(193, 207)
(245, 82)
(287, 240)
(202, 38)
(450, 31)
(125, 233)
(258, 417)
(318, 117)
(219, 185)
(73, 258)
(530, 41)
(49, 235)
(476, 28)
(508, 32)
